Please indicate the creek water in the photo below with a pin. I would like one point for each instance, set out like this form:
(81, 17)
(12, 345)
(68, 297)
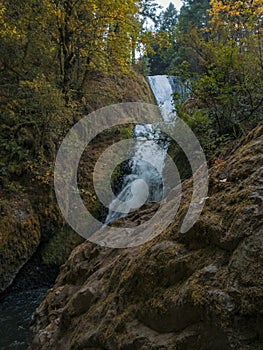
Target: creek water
(16, 310)
(143, 181)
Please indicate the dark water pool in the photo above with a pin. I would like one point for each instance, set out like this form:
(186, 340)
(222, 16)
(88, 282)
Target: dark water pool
(16, 310)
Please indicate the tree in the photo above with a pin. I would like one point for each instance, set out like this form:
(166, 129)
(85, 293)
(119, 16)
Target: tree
(167, 58)
(92, 34)
(193, 14)
(148, 9)
(236, 20)
(168, 19)
(32, 105)
(163, 43)
(228, 87)
(48, 49)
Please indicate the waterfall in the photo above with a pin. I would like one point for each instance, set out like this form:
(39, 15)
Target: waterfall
(147, 158)
(161, 86)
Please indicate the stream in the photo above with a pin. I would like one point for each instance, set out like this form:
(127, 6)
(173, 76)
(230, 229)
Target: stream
(16, 310)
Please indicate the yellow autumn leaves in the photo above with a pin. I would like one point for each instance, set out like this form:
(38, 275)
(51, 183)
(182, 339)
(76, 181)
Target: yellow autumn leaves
(236, 15)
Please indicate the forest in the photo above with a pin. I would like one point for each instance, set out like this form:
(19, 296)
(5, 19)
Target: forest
(215, 49)
(50, 49)
(60, 60)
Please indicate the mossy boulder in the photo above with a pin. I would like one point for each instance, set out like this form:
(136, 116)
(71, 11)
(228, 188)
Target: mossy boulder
(199, 290)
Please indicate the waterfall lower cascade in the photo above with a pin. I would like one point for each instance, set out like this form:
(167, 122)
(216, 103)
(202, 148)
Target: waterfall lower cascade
(148, 157)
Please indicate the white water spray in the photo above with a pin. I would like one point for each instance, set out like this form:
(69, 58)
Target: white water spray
(144, 182)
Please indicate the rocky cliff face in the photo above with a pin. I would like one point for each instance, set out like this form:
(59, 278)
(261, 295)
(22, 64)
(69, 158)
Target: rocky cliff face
(199, 290)
(30, 220)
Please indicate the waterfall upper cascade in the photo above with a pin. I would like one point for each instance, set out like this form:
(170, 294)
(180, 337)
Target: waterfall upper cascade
(144, 183)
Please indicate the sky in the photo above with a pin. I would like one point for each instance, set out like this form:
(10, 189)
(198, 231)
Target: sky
(165, 3)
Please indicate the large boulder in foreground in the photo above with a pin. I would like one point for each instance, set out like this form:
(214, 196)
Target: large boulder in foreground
(199, 290)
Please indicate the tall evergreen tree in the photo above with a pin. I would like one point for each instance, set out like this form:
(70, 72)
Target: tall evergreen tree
(193, 13)
(163, 50)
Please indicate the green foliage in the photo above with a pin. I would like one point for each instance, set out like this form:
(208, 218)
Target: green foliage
(163, 42)
(228, 86)
(216, 51)
(168, 19)
(148, 9)
(193, 14)
(165, 59)
(126, 131)
(200, 123)
(49, 52)
(144, 66)
(92, 35)
(36, 119)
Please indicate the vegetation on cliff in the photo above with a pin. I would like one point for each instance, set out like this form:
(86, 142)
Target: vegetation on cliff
(31, 223)
(51, 53)
(59, 60)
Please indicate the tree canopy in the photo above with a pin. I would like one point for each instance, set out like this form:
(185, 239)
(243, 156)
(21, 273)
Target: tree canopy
(215, 48)
(49, 49)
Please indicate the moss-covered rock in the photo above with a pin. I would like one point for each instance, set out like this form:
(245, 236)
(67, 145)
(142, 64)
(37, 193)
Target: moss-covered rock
(199, 290)
(19, 236)
(103, 90)
(31, 228)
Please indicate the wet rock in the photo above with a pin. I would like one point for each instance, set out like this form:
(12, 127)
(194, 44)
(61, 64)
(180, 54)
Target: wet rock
(202, 289)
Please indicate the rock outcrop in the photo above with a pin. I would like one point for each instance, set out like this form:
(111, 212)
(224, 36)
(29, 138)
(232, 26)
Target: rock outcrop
(20, 236)
(31, 226)
(197, 290)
